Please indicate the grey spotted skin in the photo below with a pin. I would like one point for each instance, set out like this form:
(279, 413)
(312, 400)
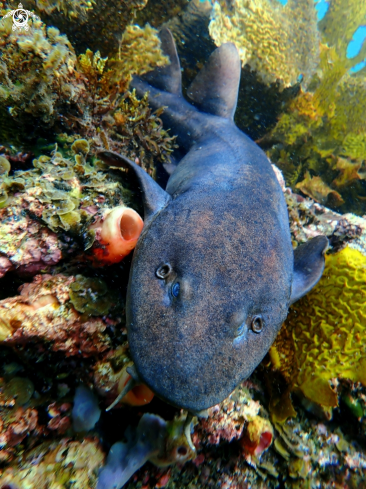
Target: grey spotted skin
(213, 273)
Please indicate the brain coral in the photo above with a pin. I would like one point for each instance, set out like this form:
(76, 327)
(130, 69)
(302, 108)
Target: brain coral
(325, 331)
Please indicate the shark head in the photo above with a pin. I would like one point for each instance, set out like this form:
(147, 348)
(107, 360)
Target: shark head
(201, 316)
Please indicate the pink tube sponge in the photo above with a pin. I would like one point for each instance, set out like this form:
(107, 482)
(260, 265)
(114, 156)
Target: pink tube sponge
(116, 235)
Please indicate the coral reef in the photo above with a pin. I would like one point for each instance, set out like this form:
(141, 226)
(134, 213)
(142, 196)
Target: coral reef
(227, 421)
(36, 77)
(16, 425)
(64, 334)
(55, 464)
(319, 140)
(238, 417)
(321, 341)
(43, 313)
(111, 376)
(304, 453)
(79, 93)
(57, 196)
(269, 37)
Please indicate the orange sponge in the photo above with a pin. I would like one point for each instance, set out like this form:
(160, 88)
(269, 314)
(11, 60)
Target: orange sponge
(116, 235)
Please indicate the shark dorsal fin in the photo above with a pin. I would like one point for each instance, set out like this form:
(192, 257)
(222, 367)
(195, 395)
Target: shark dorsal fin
(167, 78)
(154, 197)
(215, 88)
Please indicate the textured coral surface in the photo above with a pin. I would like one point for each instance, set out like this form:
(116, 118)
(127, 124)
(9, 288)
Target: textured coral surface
(56, 464)
(269, 36)
(319, 140)
(323, 337)
(300, 420)
(44, 313)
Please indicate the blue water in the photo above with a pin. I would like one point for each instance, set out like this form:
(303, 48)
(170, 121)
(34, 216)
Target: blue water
(322, 8)
(358, 39)
(354, 47)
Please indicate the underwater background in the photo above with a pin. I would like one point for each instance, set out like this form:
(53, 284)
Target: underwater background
(299, 421)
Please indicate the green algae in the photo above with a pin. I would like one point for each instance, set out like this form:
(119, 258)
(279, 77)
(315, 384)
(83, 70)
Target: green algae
(92, 296)
(18, 388)
(36, 76)
(322, 132)
(62, 193)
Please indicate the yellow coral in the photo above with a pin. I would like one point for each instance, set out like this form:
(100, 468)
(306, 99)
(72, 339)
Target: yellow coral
(326, 331)
(56, 464)
(73, 9)
(36, 71)
(340, 23)
(139, 52)
(354, 145)
(280, 43)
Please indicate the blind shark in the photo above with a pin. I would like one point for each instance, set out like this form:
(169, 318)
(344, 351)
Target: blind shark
(213, 272)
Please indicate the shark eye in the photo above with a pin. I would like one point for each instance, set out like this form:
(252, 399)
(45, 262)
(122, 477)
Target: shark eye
(257, 324)
(163, 271)
(175, 289)
(240, 330)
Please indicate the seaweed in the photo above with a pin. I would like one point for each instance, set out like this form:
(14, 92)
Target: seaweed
(321, 134)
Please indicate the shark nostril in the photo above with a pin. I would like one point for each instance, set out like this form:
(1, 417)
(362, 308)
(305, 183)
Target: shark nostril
(257, 324)
(163, 271)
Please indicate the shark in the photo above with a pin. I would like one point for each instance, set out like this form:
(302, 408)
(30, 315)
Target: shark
(214, 271)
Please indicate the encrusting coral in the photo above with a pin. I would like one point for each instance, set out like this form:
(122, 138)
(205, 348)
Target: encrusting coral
(63, 195)
(269, 36)
(44, 313)
(321, 341)
(55, 464)
(84, 94)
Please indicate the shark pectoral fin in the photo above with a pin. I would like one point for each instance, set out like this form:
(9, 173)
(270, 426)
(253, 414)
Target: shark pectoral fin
(215, 88)
(308, 266)
(167, 78)
(154, 197)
